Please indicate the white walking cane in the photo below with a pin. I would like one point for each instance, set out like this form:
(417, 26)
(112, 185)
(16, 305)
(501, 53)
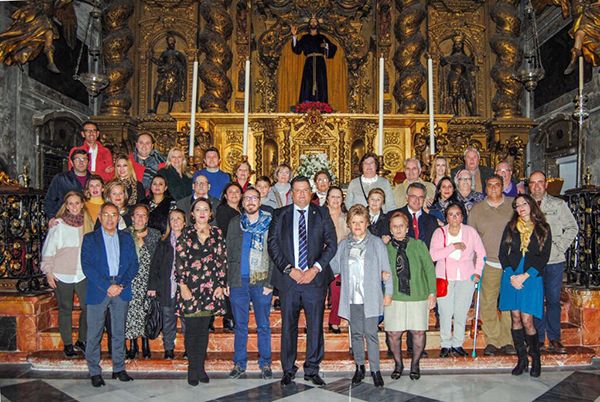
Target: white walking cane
(478, 288)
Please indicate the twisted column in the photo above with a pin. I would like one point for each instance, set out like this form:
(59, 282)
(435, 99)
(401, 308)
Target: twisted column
(407, 58)
(218, 57)
(505, 44)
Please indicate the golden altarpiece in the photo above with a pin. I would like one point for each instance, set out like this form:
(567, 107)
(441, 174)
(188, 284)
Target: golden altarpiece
(478, 106)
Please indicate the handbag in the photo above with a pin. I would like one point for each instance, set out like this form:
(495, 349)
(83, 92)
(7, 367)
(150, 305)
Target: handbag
(442, 283)
(154, 319)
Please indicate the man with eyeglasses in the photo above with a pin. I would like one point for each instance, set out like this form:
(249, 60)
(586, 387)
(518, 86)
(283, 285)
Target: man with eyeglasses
(564, 228)
(73, 180)
(101, 160)
(489, 217)
(504, 170)
(110, 263)
(249, 270)
(421, 224)
(200, 189)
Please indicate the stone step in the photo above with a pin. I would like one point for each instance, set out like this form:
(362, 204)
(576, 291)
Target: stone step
(341, 361)
(219, 341)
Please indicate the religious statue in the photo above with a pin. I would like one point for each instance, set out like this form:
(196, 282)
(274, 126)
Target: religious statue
(171, 85)
(585, 31)
(458, 81)
(34, 30)
(316, 47)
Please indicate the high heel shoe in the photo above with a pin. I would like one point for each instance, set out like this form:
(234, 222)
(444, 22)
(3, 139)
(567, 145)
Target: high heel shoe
(359, 374)
(334, 330)
(397, 373)
(415, 375)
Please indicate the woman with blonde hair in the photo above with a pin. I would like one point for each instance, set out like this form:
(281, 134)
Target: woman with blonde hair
(61, 263)
(440, 168)
(280, 194)
(175, 173)
(125, 174)
(242, 174)
(116, 192)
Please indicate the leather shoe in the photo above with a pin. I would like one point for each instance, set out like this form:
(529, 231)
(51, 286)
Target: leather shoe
(377, 379)
(122, 376)
(490, 350)
(557, 347)
(69, 351)
(509, 350)
(286, 379)
(542, 347)
(359, 374)
(169, 354)
(334, 330)
(97, 381)
(315, 379)
(444, 352)
(228, 325)
(460, 351)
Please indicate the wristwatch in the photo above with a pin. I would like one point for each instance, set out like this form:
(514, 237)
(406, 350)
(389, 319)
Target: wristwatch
(288, 269)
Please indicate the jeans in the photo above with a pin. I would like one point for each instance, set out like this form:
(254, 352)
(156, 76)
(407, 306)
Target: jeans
(240, 304)
(96, 315)
(550, 322)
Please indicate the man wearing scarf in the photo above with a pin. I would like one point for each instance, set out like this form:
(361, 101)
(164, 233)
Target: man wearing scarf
(145, 159)
(249, 271)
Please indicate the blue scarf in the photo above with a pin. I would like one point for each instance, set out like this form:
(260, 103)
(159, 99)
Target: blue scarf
(259, 267)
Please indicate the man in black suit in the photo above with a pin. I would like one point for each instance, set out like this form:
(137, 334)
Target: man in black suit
(421, 224)
(302, 241)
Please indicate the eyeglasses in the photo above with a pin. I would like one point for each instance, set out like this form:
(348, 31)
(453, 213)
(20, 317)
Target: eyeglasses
(419, 197)
(109, 215)
(250, 198)
(80, 159)
(322, 180)
(201, 184)
(464, 179)
(503, 170)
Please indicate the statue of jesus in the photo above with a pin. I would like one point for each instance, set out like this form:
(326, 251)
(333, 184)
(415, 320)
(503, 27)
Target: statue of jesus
(316, 47)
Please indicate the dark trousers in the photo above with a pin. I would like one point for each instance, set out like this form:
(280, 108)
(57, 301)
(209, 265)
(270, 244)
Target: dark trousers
(196, 343)
(64, 296)
(550, 322)
(312, 300)
(169, 329)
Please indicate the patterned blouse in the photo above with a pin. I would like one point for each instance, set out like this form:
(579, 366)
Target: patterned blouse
(202, 268)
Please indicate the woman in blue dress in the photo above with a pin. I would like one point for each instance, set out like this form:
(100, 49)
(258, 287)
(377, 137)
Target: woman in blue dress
(524, 252)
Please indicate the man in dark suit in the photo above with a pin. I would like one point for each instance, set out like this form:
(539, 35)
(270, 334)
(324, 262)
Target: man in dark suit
(479, 174)
(421, 224)
(302, 241)
(110, 263)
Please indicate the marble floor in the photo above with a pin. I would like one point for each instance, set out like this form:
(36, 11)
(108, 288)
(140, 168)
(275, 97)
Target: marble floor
(18, 383)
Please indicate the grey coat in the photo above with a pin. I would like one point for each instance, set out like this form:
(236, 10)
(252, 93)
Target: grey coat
(376, 262)
(234, 256)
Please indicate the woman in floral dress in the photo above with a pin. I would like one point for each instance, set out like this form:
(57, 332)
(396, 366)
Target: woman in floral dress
(145, 240)
(201, 260)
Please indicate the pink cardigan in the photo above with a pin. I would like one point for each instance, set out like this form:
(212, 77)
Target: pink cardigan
(472, 257)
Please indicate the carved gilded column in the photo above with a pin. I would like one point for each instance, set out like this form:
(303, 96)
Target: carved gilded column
(218, 57)
(505, 44)
(407, 58)
(117, 39)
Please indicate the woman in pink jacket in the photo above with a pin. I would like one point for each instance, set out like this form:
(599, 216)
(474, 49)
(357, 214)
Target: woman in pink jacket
(459, 254)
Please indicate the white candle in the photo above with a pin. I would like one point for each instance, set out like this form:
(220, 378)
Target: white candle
(580, 76)
(246, 107)
(430, 99)
(193, 107)
(380, 127)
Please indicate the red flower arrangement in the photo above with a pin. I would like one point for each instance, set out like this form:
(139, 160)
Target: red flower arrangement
(306, 106)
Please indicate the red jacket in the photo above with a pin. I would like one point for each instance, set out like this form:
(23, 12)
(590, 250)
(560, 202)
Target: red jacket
(104, 161)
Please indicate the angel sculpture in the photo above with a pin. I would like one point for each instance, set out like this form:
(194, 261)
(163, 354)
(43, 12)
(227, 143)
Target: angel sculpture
(585, 30)
(33, 30)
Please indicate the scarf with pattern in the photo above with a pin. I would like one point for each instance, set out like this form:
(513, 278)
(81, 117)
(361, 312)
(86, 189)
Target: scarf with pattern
(402, 265)
(525, 230)
(258, 264)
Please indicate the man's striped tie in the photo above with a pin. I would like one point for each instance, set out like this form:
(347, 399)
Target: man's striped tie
(303, 242)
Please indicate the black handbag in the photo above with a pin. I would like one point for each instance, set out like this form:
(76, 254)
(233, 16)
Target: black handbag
(154, 319)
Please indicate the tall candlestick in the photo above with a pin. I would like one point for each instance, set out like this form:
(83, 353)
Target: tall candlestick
(380, 127)
(193, 107)
(580, 76)
(430, 99)
(246, 107)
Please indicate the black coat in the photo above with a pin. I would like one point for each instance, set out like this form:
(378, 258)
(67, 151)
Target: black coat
(322, 245)
(161, 267)
(381, 227)
(224, 215)
(510, 255)
(60, 185)
(159, 216)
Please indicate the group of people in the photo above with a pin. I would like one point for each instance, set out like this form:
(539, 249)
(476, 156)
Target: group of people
(125, 230)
